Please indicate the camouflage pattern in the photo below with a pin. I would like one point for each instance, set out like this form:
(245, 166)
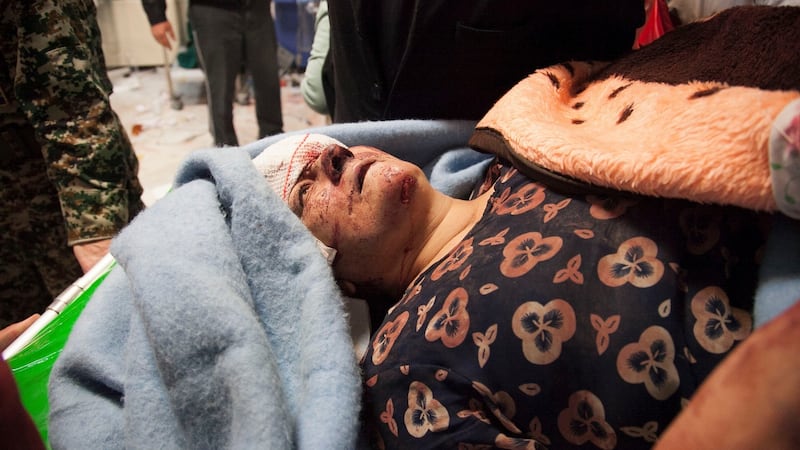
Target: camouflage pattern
(55, 116)
(35, 262)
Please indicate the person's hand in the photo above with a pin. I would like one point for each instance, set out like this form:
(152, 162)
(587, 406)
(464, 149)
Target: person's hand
(11, 332)
(89, 254)
(163, 33)
(751, 399)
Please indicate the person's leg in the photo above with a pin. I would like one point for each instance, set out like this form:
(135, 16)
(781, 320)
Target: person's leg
(261, 57)
(218, 42)
(35, 262)
(243, 87)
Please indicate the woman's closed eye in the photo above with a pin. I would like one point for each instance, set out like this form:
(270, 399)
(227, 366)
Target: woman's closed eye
(300, 189)
(298, 200)
(301, 194)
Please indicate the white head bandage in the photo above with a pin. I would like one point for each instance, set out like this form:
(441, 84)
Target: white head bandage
(282, 163)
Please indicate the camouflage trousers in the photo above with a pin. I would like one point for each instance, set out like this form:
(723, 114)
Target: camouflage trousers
(35, 262)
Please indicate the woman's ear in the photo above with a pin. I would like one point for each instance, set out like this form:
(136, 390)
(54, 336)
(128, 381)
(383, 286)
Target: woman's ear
(348, 288)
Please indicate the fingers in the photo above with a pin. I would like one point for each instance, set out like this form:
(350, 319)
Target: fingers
(11, 332)
(163, 33)
(170, 32)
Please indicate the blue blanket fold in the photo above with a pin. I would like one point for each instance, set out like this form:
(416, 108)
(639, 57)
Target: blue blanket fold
(235, 337)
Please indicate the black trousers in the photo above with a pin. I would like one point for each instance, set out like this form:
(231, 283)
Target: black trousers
(227, 39)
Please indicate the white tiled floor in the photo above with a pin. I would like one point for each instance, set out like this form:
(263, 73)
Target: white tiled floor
(162, 136)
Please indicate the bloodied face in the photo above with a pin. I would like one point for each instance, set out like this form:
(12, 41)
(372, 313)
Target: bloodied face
(366, 204)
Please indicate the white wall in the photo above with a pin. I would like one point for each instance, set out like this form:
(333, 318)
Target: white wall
(126, 33)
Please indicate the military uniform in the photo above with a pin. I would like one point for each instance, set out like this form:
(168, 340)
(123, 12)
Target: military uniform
(68, 173)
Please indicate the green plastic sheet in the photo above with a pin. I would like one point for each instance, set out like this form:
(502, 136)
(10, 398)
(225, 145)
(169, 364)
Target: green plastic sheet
(32, 365)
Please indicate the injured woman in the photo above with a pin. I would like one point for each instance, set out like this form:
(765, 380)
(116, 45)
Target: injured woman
(526, 317)
(591, 277)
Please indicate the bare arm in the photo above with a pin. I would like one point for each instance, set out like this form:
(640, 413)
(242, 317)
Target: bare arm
(156, 11)
(90, 253)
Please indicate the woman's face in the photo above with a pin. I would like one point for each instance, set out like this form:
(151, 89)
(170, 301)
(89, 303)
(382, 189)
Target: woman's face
(366, 204)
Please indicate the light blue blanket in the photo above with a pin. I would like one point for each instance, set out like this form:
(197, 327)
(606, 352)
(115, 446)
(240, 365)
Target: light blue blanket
(222, 327)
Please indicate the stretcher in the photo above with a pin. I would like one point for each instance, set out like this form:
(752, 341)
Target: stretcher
(32, 354)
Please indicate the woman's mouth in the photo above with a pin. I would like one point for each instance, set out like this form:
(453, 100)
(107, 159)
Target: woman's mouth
(361, 174)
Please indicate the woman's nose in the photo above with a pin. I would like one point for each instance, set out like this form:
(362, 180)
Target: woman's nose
(333, 159)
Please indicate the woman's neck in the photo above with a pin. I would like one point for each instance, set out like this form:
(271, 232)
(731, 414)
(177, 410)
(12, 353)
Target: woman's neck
(449, 221)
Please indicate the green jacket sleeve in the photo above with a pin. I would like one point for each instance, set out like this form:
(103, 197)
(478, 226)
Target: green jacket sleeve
(311, 86)
(63, 89)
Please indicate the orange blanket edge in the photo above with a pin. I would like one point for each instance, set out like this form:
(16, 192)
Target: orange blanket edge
(702, 141)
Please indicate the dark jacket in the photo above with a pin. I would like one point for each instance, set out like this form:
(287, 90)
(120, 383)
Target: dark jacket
(156, 10)
(451, 59)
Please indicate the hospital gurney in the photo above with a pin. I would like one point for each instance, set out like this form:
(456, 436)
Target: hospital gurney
(32, 354)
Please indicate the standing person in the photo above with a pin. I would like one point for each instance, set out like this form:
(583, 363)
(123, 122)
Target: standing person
(397, 59)
(230, 34)
(312, 86)
(68, 173)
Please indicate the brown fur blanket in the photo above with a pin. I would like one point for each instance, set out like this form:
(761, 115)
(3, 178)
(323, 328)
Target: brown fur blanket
(688, 116)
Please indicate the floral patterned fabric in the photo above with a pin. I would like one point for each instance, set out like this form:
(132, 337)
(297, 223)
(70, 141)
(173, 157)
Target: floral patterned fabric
(562, 322)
